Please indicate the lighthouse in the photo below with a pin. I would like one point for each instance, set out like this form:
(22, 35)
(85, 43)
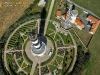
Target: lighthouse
(38, 47)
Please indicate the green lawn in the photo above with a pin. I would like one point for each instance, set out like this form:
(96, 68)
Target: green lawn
(67, 39)
(11, 62)
(84, 36)
(9, 58)
(21, 73)
(80, 11)
(51, 26)
(52, 68)
(59, 59)
(20, 61)
(49, 31)
(93, 67)
(92, 5)
(57, 37)
(28, 69)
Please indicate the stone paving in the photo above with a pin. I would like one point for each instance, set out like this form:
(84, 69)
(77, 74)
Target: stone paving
(36, 59)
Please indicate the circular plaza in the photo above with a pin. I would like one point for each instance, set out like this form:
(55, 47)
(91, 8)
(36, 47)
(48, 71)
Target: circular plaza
(18, 55)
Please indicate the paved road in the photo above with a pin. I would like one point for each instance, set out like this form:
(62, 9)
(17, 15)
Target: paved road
(5, 61)
(83, 8)
(33, 68)
(75, 54)
(48, 17)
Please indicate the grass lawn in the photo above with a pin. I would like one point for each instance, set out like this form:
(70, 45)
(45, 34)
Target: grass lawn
(78, 42)
(93, 67)
(21, 73)
(9, 58)
(59, 59)
(92, 5)
(57, 37)
(49, 31)
(67, 39)
(51, 26)
(28, 69)
(52, 68)
(84, 36)
(80, 11)
(20, 61)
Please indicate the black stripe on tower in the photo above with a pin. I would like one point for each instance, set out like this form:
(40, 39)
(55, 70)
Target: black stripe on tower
(34, 39)
(36, 44)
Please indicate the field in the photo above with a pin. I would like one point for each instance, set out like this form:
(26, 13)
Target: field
(93, 67)
(84, 36)
(10, 14)
(92, 5)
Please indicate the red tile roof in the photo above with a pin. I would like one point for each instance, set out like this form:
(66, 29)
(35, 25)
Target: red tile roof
(78, 21)
(58, 13)
(64, 15)
(95, 25)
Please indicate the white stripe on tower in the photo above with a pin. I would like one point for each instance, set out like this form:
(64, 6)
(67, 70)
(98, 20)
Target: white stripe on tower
(36, 43)
(37, 46)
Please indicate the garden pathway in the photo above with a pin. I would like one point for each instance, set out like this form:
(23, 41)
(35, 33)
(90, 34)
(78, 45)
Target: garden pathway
(75, 46)
(5, 61)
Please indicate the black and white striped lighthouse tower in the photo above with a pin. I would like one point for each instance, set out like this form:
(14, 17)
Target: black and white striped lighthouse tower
(38, 47)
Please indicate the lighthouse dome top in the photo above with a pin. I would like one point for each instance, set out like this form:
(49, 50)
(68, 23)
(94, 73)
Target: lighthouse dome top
(32, 35)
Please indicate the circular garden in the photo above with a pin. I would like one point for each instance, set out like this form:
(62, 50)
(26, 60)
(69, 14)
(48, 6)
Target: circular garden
(59, 62)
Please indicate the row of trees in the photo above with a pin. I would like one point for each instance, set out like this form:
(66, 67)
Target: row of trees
(82, 59)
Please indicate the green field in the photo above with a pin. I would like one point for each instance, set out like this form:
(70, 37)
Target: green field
(52, 68)
(93, 68)
(92, 5)
(67, 39)
(84, 36)
(59, 59)
(51, 26)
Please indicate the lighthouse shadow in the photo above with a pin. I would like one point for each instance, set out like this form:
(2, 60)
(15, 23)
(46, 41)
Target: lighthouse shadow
(42, 26)
(43, 39)
(42, 22)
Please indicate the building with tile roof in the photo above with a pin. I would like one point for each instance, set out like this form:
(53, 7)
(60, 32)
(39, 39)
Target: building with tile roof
(79, 24)
(95, 24)
(58, 13)
(64, 16)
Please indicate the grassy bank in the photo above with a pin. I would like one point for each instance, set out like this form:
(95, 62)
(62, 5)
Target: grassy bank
(93, 67)
(92, 5)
